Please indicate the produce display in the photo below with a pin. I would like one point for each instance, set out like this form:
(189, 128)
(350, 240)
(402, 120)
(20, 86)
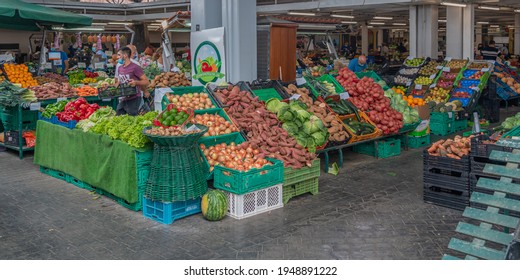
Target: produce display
(341, 107)
(87, 90)
(214, 205)
(126, 128)
(90, 77)
(102, 113)
(195, 101)
(456, 63)
(151, 71)
(172, 117)
(399, 90)
(444, 107)
(329, 87)
(437, 94)
(242, 157)
(400, 103)
(77, 110)
(19, 74)
(409, 71)
(263, 130)
(169, 131)
(509, 123)
(448, 75)
(476, 76)
(12, 95)
(170, 79)
(444, 84)
(337, 132)
(76, 76)
(367, 95)
(423, 80)
(414, 62)
(51, 77)
(216, 124)
(430, 68)
(461, 93)
(413, 102)
(358, 127)
(53, 90)
(50, 110)
(477, 65)
(510, 81)
(308, 129)
(402, 80)
(454, 148)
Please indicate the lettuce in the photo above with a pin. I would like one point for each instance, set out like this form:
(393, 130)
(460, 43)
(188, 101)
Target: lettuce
(273, 105)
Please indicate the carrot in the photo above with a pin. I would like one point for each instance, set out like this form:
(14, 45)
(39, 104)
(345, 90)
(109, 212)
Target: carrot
(434, 147)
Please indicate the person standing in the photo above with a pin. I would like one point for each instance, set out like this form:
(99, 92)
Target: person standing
(358, 64)
(131, 74)
(490, 52)
(62, 67)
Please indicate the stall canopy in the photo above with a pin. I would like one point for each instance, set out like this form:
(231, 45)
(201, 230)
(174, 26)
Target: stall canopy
(16, 14)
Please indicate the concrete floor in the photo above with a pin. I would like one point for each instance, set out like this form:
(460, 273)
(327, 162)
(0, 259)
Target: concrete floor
(372, 210)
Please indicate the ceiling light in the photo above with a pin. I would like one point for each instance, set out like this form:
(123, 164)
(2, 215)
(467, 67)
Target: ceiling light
(482, 22)
(489, 8)
(370, 26)
(301, 14)
(376, 23)
(442, 20)
(399, 23)
(494, 26)
(517, 11)
(341, 16)
(349, 22)
(388, 18)
(453, 4)
(99, 23)
(119, 23)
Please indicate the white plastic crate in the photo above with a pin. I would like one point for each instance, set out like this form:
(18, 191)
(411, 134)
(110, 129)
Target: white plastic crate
(256, 202)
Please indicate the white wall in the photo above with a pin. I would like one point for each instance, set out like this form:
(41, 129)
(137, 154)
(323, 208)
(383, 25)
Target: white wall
(177, 37)
(16, 37)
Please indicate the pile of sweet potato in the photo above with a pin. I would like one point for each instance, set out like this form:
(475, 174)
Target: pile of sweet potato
(263, 128)
(454, 148)
(53, 90)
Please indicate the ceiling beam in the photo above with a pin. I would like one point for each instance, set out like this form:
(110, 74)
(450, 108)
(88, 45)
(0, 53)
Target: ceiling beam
(325, 4)
(140, 17)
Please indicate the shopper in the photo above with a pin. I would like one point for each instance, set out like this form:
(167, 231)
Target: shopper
(358, 64)
(146, 58)
(385, 50)
(131, 74)
(490, 52)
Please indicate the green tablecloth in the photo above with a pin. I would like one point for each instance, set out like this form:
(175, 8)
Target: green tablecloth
(92, 158)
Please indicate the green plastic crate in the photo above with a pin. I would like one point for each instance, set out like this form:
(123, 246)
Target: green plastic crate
(235, 137)
(266, 94)
(293, 176)
(226, 138)
(328, 78)
(307, 186)
(54, 173)
(418, 142)
(469, 132)
(186, 90)
(238, 182)
(409, 127)
(441, 117)
(459, 125)
(11, 120)
(440, 128)
(515, 132)
(373, 75)
(386, 148)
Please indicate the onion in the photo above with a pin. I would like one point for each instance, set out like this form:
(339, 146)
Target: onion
(221, 158)
(256, 152)
(214, 156)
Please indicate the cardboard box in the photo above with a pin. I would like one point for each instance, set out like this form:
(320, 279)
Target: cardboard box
(424, 112)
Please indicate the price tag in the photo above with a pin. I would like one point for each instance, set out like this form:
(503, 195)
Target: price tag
(109, 53)
(448, 58)
(409, 57)
(295, 97)
(99, 65)
(300, 81)
(344, 95)
(35, 106)
(439, 67)
(408, 83)
(110, 65)
(446, 69)
(192, 128)
(188, 75)
(450, 114)
(185, 55)
(418, 87)
(432, 76)
(474, 88)
(433, 85)
(106, 99)
(61, 98)
(484, 69)
(47, 65)
(57, 62)
(82, 65)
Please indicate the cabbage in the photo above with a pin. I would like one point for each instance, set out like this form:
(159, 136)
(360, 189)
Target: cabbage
(302, 115)
(319, 138)
(273, 105)
(313, 125)
(291, 128)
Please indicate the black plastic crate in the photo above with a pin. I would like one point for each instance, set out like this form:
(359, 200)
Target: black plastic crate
(473, 180)
(445, 162)
(12, 138)
(212, 88)
(274, 84)
(480, 149)
(115, 92)
(446, 177)
(491, 110)
(478, 163)
(448, 203)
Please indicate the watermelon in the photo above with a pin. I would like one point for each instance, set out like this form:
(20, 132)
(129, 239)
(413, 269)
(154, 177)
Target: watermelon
(214, 205)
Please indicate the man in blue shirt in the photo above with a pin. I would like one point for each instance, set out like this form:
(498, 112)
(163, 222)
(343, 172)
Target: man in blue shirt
(62, 64)
(358, 64)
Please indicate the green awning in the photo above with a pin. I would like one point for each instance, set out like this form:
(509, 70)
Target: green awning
(16, 14)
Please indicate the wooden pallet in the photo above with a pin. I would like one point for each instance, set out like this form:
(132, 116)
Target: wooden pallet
(484, 234)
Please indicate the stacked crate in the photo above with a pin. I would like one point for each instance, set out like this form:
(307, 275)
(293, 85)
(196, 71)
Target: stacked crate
(443, 124)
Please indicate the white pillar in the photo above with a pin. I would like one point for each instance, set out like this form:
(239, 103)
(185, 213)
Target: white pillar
(478, 34)
(364, 39)
(454, 32)
(239, 21)
(468, 31)
(206, 14)
(413, 32)
(380, 37)
(517, 34)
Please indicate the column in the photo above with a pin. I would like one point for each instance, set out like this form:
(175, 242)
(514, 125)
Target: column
(142, 38)
(413, 32)
(454, 32)
(374, 39)
(478, 34)
(468, 23)
(239, 21)
(364, 39)
(517, 34)
(206, 14)
(380, 37)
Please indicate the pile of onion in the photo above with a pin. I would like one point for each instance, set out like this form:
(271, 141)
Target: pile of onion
(195, 101)
(216, 124)
(241, 157)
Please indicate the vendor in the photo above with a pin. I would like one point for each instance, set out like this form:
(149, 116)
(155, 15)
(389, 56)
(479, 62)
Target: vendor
(131, 74)
(62, 67)
(358, 64)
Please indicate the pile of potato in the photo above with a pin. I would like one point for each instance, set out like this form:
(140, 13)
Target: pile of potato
(170, 79)
(53, 90)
